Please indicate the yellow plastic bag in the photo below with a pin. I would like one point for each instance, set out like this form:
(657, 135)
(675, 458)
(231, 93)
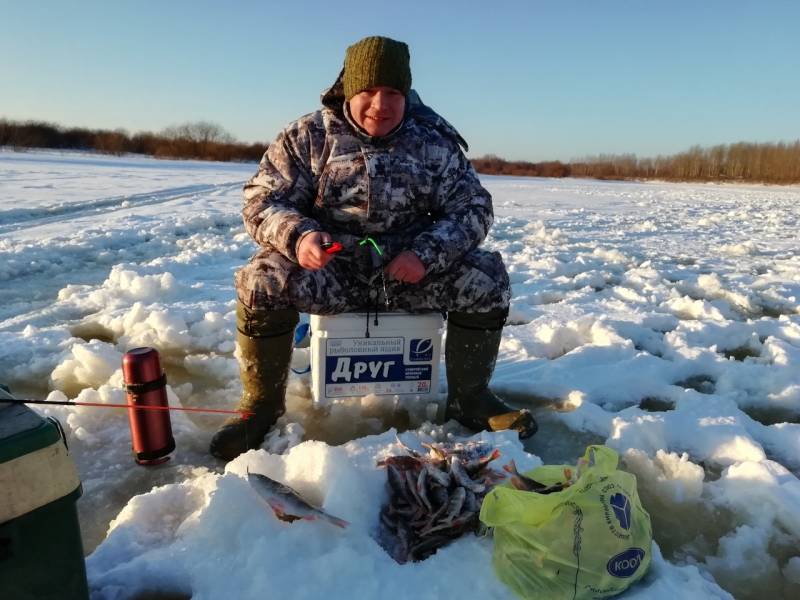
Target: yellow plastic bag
(590, 540)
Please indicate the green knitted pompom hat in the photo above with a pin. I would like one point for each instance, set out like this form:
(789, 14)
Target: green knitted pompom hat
(376, 61)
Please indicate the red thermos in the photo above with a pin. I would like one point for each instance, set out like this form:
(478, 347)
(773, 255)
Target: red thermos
(151, 430)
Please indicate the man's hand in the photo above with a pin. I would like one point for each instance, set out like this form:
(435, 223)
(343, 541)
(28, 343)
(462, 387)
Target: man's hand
(310, 253)
(406, 267)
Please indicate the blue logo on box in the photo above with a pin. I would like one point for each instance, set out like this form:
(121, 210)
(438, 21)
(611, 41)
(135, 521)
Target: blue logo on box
(372, 369)
(420, 350)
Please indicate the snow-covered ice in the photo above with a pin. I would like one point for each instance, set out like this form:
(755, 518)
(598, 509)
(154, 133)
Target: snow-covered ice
(660, 319)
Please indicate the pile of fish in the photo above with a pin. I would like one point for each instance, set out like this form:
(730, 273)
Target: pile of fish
(434, 497)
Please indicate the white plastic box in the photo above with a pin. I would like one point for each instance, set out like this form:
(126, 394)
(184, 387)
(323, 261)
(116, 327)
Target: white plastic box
(399, 358)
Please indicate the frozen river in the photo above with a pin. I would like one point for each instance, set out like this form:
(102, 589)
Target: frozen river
(660, 319)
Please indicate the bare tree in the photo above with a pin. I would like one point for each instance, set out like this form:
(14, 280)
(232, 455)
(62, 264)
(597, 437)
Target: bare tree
(198, 137)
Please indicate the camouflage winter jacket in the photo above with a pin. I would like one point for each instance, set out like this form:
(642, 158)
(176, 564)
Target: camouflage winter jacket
(410, 190)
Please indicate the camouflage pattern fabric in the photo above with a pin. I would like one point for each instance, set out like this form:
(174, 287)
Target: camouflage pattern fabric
(413, 189)
(476, 283)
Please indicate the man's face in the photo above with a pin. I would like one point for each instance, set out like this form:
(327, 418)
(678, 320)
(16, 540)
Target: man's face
(378, 110)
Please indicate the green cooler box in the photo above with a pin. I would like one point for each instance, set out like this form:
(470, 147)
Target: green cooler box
(41, 553)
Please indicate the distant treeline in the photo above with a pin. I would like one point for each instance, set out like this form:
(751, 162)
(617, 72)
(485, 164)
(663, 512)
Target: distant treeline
(766, 163)
(200, 140)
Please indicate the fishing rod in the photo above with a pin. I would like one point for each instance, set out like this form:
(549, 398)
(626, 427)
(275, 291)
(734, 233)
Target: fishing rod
(245, 414)
(151, 430)
(148, 409)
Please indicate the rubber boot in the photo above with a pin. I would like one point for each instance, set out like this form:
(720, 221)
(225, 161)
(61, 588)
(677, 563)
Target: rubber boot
(265, 341)
(473, 340)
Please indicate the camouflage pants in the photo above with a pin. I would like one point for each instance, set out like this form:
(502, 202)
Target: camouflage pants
(270, 281)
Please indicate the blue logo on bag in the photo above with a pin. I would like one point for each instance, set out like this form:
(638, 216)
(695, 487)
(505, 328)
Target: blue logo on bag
(421, 350)
(622, 509)
(625, 563)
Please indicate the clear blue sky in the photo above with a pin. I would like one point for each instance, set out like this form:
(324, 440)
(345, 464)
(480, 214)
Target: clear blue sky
(522, 79)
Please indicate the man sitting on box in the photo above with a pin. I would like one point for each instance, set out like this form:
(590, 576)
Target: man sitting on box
(380, 173)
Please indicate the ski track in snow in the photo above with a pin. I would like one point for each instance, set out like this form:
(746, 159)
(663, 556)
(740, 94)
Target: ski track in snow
(660, 319)
(20, 218)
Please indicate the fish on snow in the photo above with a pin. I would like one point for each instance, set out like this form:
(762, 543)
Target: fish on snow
(287, 504)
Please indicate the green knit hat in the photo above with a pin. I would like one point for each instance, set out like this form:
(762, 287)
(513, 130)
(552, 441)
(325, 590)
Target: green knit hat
(376, 61)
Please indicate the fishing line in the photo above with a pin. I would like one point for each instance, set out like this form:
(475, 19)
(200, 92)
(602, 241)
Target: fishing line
(376, 256)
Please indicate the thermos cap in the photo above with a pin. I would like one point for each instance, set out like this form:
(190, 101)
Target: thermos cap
(141, 365)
